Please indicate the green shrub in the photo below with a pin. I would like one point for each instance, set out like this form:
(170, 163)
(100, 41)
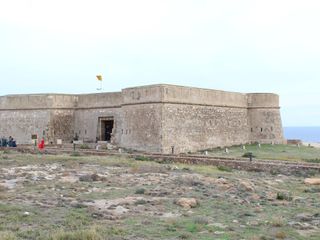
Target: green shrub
(247, 155)
(140, 202)
(224, 168)
(312, 190)
(316, 160)
(140, 191)
(75, 154)
(84, 146)
(192, 227)
(284, 196)
(142, 158)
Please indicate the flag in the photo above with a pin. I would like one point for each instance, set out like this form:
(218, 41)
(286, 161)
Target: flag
(99, 77)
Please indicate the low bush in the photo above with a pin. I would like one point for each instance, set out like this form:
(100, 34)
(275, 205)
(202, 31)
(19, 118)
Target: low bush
(140, 202)
(142, 158)
(248, 154)
(316, 160)
(84, 146)
(284, 196)
(224, 168)
(75, 154)
(140, 191)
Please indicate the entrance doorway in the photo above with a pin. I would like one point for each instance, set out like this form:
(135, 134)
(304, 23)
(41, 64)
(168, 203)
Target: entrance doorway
(106, 127)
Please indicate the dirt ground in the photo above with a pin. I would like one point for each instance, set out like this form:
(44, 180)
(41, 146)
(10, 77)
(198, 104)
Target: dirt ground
(86, 197)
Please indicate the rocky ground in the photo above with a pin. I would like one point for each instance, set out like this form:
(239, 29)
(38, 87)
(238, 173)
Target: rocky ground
(83, 197)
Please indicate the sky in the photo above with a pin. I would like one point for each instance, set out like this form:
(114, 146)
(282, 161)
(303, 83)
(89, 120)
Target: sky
(60, 46)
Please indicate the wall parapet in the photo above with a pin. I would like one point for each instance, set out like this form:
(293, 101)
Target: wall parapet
(161, 93)
(263, 100)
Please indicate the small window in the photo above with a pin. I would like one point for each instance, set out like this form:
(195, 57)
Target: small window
(271, 129)
(122, 131)
(261, 129)
(85, 131)
(251, 129)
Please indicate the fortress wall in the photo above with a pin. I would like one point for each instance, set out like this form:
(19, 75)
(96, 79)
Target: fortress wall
(86, 123)
(62, 101)
(144, 94)
(179, 94)
(20, 124)
(260, 100)
(264, 118)
(61, 125)
(49, 115)
(99, 100)
(141, 129)
(265, 126)
(148, 118)
(192, 127)
(36, 101)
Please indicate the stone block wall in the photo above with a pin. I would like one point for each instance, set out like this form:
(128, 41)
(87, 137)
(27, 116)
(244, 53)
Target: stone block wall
(191, 127)
(148, 118)
(47, 115)
(21, 124)
(61, 126)
(264, 118)
(199, 96)
(141, 128)
(86, 122)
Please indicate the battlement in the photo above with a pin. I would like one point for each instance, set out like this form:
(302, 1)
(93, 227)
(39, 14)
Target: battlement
(263, 100)
(161, 93)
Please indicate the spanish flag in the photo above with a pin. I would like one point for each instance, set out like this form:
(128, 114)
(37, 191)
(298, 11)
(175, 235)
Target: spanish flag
(99, 77)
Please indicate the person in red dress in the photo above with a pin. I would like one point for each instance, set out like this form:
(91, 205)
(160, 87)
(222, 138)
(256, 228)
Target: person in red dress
(41, 145)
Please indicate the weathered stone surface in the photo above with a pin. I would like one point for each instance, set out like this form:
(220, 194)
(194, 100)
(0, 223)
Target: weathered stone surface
(312, 181)
(246, 186)
(187, 202)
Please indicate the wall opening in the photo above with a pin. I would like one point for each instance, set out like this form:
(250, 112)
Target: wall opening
(106, 127)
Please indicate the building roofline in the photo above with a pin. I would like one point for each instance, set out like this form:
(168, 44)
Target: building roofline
(206, 89)
(129, 88)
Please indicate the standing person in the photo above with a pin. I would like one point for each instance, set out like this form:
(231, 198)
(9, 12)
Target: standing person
(10, 141)
(41, 148)
(41, 145)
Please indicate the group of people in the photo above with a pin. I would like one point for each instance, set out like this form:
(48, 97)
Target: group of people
(10, 142)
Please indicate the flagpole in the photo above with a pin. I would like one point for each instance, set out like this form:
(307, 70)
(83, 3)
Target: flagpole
(99, 77)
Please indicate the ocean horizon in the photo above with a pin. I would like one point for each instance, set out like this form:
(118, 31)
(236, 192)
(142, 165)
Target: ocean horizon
(306, 134)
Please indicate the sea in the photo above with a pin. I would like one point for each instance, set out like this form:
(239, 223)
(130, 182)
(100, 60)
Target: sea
(306, 134)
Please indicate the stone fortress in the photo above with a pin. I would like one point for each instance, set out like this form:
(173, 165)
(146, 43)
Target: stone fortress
(154, 118)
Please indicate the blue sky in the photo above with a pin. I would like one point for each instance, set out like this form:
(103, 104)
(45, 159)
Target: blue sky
(244, 46)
